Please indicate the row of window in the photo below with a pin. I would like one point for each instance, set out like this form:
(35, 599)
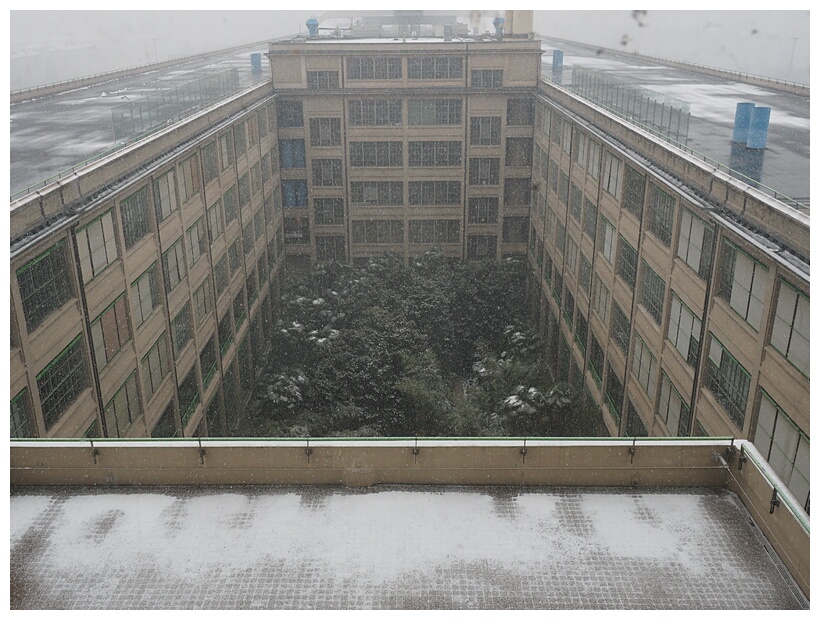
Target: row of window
(418, 68)
(484, 130)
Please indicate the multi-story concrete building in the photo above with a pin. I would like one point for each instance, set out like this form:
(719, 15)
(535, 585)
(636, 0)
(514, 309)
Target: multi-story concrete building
(144, 285)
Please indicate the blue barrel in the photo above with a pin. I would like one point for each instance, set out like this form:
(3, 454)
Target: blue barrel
(759, 128)
(743, 117)
(557, 59)
(256, 62)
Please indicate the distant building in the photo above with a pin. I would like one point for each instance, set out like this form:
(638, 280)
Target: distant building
(145, 286)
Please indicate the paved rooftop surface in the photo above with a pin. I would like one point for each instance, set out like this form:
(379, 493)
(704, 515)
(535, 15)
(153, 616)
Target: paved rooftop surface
(389, 547)
(51, 134)
(784, 164)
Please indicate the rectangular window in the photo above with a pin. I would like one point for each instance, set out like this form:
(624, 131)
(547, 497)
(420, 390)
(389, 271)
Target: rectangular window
(202, 302)
(553, 176)
(790, 331)
(590, 219)
(596, 359)
(190, 182)
(600, 298)
(230, 202)
(291, 154)
(165, 198)
(182, 329)
(520, 111)
(612, 175)
(627, 262)
(215, 221)
(328, 211)
(240, 138)
(96, 245)
(517, 192)
(569, 307)
(634, 189)
(585, 274)
(580, 147)
(289, 113)
(221, 275)
(173, 265)
(487, 78)
(435, 68)
(45, 285)
(235, 256)
(244, 190)
(519, 152)
(606, 240)
(210, 161)
(434, 192)
(322, 80)
(374, 193)
(369, 68)
(434, 153)
(485, 130)
(563, 188)
(374, 112)
(644, 367)
(225, 332)
(155, 366)
(570, 256)
(144, 295)
(785, 448)
(695, 243)
(434, 231)
(325, 132)
(226, 149)
(21, 416)
(376, 154)
(653, 289)
(614, 394)
(207, 362)
(327, 172)
(256, 178)
(123, 409)
(672, 409)
(742, 283)
(109, 332)
(196, 241)
(576, 199)
(294, 193)
(619, 330)
(484, 170)
(481, 247)
(330, 248)
(515, 229)
(728, 381)
(684, 330)
(166, 426)
(483, 210)
(378, 231)
(134, 217)
(434, 111)
(239, 309)
(297, 230)
(594, 161)
(581, 331)
(62, 381)
(188, 395)
(661, 214)
(566, 137)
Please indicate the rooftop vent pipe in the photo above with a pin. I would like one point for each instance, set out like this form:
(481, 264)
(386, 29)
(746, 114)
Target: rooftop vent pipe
(498, 23)
(312, 26)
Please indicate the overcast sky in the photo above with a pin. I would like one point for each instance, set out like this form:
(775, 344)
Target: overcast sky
(56, 45)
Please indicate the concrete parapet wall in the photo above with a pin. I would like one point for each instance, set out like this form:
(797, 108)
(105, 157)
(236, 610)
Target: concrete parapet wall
(648, 462)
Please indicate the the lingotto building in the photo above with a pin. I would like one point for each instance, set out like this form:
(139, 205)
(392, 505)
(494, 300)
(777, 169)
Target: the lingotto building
(670, 282)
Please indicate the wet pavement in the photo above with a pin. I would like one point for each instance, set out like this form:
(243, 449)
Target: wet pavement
(388, 547)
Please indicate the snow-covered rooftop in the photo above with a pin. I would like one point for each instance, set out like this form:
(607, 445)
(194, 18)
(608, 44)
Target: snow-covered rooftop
(388, 547)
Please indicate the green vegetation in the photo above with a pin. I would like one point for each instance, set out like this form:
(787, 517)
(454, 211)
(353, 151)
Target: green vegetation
(434, 348)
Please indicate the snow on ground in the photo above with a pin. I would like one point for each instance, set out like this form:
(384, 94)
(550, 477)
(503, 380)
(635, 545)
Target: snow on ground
(333, 547)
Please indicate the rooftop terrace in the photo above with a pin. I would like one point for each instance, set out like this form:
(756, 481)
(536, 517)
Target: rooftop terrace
(403, 524)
